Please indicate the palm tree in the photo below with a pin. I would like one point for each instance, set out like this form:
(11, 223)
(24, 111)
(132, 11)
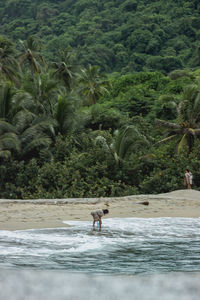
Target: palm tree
(32, 55)
(44, 90)
(187, 127)
(21, 125)
(92, 84)
(35, 134)
(65, 114)
(64, 69)
(125, 140)
(9, 140)
(6, 98)
(9, 66)
(13, 101)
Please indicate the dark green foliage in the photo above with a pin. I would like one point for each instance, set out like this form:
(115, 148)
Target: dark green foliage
(135, 94)
(86, 174)
(100, 116)
(69, 130)
(151, 35)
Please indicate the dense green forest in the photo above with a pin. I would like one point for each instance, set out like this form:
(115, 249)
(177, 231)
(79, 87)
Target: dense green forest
(119, 36)
(98, 98)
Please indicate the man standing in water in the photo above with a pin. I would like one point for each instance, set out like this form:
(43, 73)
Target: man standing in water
(98, 214)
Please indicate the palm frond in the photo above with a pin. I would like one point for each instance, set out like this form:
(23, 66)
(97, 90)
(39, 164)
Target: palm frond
(66, 113)
(5, 154)
(125, 140)
(41, 141)
(10, 141)
(195, 132)
(169, 138)
(182, 143)
(6, 97)
(6, 127)
(187, 126)
(23, 119)
(166, 124)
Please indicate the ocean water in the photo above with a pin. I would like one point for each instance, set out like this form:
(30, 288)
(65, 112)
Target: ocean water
(130, 258)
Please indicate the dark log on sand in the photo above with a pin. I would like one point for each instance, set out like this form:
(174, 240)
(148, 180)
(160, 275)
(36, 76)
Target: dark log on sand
(143, 203)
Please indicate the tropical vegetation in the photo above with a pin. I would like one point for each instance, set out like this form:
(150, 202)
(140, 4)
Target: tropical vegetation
(95, 102)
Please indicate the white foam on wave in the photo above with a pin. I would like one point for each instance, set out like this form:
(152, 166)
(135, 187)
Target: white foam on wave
(85, 247)
(117, 237)
(159, 226)
(11, 251)
(138, 230)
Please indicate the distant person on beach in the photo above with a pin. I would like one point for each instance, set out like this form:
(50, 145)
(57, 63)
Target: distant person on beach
(98, 214)
(188, 179)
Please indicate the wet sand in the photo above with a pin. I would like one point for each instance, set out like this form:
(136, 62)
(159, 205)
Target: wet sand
(44, 213)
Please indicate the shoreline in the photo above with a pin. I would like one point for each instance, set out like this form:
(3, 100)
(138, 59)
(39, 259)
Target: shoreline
(50, 213)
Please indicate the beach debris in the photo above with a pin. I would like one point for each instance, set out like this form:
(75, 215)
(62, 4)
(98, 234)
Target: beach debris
(143, 202)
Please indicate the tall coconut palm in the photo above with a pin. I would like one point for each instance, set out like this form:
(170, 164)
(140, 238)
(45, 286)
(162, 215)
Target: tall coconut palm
(187, 127)
(31, 54)
(93, 84)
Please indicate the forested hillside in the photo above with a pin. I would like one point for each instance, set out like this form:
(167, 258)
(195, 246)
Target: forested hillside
(119, 36)
(98, 98)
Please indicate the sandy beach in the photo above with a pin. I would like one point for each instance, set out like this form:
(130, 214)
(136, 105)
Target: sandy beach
(44, 213)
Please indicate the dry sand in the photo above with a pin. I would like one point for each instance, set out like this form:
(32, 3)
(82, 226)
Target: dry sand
(42, 213)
